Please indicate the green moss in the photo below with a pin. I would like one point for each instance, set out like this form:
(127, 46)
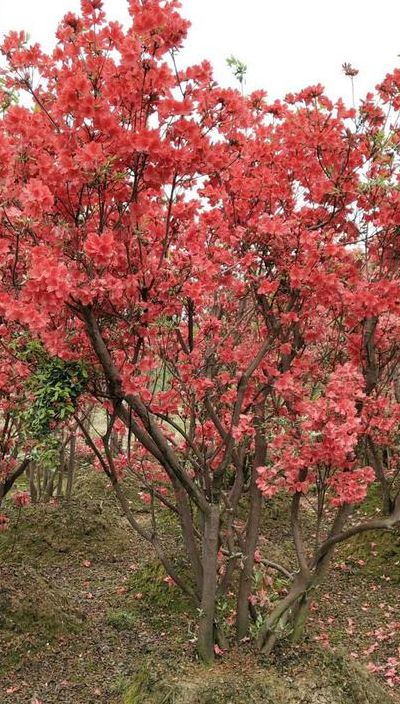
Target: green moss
(121, 620)
(373, 500)
(351, 681)
(380, 551)
(11, 655)
(149, 583)
(31, 603)
(89, 527)
(324, 677)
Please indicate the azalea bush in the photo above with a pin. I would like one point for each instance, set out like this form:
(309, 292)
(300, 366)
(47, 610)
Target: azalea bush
(225, 270)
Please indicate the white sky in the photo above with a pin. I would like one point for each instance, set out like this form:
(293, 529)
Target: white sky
(286, 44)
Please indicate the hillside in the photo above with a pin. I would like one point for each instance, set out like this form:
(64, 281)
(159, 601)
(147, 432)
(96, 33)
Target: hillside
(86, 616)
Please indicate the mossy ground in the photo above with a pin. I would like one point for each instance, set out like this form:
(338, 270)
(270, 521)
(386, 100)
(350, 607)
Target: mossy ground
(86, 616)
(380, 553)
(90, 525)
(82, 600)
(312, 676)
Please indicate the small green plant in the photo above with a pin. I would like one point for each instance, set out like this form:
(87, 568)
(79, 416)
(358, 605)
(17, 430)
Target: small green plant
(121, 620)
(239, 69)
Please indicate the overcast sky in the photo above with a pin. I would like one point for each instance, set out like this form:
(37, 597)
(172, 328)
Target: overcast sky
(286, 44)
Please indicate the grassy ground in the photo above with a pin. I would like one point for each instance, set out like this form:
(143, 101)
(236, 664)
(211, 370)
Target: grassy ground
(86, 616)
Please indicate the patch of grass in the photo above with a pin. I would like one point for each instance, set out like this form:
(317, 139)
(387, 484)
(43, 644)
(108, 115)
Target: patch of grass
(119, 685)
(133, 695)
(13, 650)
(121, 620)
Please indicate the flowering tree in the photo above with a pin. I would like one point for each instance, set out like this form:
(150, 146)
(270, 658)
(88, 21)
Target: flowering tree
(225, 269)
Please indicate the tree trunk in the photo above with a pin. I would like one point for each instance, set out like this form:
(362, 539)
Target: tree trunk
(205, 645)
(61, 468)
(39, 480)
(71, 466)
(277, 620)
(50, 485)
(375, 459)
(299, 617)
(189, 538)
(12, 478)
(32, 485)
(299, 612)
(252, 534)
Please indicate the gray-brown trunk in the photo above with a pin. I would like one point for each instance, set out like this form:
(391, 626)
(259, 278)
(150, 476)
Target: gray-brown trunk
(252, 529)
(71, 466)
(205, 644)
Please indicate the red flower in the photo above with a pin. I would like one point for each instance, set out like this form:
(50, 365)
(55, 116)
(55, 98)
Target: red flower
(21, 498)
(100, 248)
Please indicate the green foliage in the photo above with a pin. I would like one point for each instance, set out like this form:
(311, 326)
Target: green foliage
(239, 69)
(120, 685)
(47, 452)
(55, 387)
